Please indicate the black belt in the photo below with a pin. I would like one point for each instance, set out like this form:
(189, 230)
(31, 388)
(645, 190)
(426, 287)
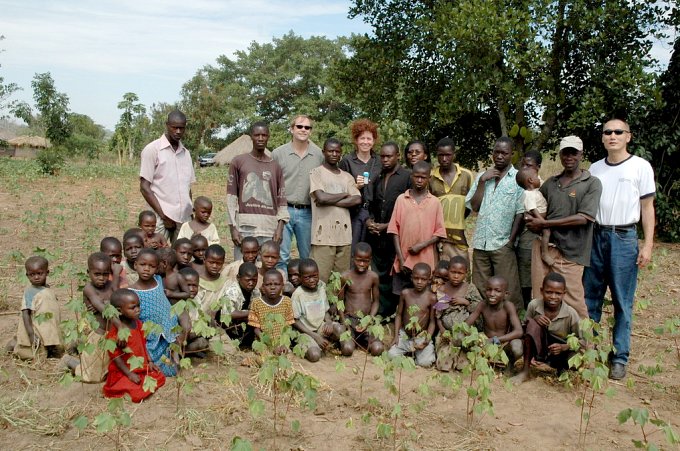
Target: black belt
(299, 206)
(616, 228)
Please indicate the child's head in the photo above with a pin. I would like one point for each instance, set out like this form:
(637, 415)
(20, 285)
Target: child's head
(146, 264)
(362, 257)
(192, 278)
(37, 269)
(553, 290)
(270, 254)
(414, 152)
(250, 249)
(294, 272)
(309, 274)
(441, 272)
(528, 179)
(132, 244)
(446, 153)
(147, 222)
(332, 151)
(202, 209)
(184, 250)
(420, 176)
(200, 244)
(214, 260)
(421, 276)
(496, 290)
(99, 269)
(247, 276)
(167, 260)
(272, 286)
(127, 303)
(112, 247)
(458, 270)
(531, 159)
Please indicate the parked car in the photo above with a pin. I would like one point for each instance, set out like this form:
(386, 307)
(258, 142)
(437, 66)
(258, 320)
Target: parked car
(207, 160)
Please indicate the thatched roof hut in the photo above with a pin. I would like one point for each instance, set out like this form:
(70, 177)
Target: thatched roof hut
(242, 144)
(28, 146)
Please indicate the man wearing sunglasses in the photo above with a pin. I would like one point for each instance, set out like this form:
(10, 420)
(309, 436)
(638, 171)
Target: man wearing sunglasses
(297, 158)
(628, 191)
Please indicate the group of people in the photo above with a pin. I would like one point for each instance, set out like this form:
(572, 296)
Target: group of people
(395, 234)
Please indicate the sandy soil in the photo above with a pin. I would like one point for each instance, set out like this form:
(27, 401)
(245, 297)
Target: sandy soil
(68, 215)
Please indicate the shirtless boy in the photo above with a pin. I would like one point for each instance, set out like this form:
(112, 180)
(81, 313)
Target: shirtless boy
(501, 323)
(199, 244)
(360, 292)
(176, 287)
(414, 324)
(185, 251)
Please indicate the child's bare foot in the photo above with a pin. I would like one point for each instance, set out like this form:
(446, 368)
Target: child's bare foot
(548, 260)
(68, 362)
(541, 366)
(9, 346)
(520, 378)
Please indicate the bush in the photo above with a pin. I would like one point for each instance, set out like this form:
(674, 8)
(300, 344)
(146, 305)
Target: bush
(50, 160)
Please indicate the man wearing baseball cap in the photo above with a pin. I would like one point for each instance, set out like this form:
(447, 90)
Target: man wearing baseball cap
(573, 198)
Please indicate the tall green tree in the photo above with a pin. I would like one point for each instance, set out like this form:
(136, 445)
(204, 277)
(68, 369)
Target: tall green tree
(127, 135)
(476, 69)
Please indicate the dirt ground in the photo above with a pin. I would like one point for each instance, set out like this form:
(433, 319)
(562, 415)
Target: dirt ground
(67, 215)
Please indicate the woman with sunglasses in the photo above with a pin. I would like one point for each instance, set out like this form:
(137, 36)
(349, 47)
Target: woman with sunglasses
(414, 152)
(365, 167)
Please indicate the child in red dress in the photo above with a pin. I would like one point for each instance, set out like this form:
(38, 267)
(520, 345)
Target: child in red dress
(130, 365)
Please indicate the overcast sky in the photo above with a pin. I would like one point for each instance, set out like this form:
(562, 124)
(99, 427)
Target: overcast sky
(97, 51)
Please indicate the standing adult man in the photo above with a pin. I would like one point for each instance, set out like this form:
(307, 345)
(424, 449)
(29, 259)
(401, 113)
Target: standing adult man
(573, 197)
(628, 192)
(393, 180)
(451, 183)
(256, 197)
(497, 200)
(297, 158)
(166, 175)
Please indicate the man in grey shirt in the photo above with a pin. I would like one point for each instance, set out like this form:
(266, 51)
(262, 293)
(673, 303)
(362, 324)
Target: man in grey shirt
(297, 158)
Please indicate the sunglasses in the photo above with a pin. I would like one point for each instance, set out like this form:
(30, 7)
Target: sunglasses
(300, 127)
(617, 132)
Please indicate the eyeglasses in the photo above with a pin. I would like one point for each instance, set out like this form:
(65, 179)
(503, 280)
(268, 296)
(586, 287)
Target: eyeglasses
(617, 132)
(300, 127)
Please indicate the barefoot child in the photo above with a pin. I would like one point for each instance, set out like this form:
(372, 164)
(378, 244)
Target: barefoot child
(200, 225)
(147, 222)
(238, 295)
(199, 244)
(456, 299)
(185, 252)
(38, 328)
(549, 321)
(271, 313)
(536, 206)
(501, 323)
(124, 378)
(360, 291)
(293, 282)
(132, 244)
(211, 284)
(312, 316)
(155, 307)
(414, 324)
(176, 287)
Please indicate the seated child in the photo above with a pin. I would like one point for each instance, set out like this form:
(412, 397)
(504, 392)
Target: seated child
(456, 299)
(191, 278)
(536, 206)
(237, 295)
(132, 244)
(185, 251)
(147, 222)
(112, 247)
(293, 282)
(250, 249)
(199, 244)
(176, 287)
(414, 324)
(211, 284)
(312, 316)
(38, 328)
(200, 225)
(360, 292)
(156, 307)
(549, 321)
(122, 378)
(440, 275)
(93, 364)
(271, 313)
(270, 254)
(501, 323)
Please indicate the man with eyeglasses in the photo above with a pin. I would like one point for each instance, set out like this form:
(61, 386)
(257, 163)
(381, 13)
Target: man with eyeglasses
(628, 191)
(297, 158)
